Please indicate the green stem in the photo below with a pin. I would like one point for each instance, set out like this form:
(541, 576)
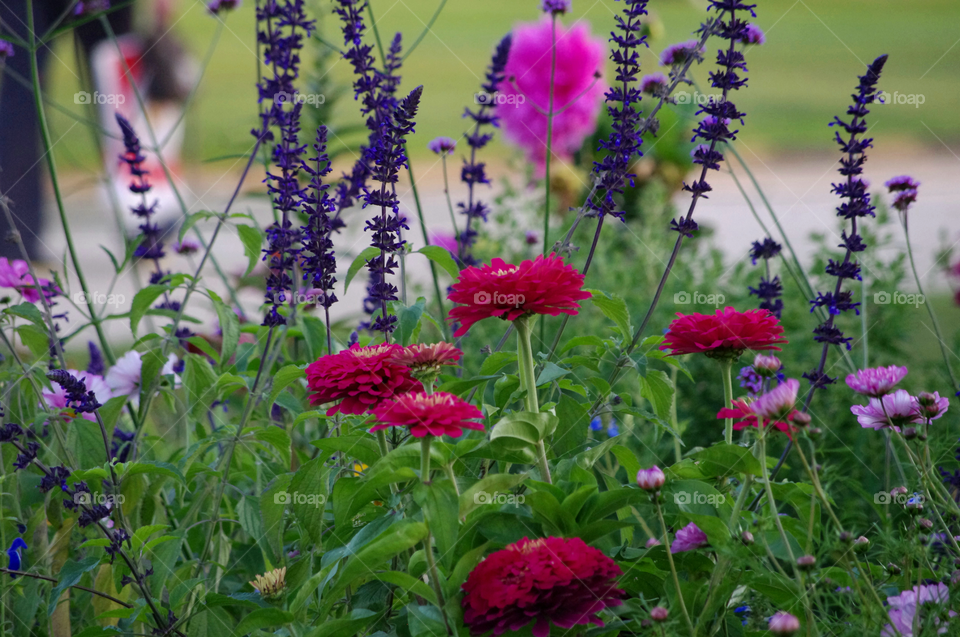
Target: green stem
(426, 240)
(673, 568)
(725, 366)
(435, 579)
(425, 458)
(529, 384)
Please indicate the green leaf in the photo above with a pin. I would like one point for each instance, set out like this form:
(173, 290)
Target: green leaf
(657, 388)
(482, 491)
(86, 441)
(572, 426)
(36, 339)
(408, 320)
(439, 503)
(497, 361)
(615, 309)
(523, 428)
(198, 380)
(577, 341)
(154, 467)
(459, 387)
(263, 618)
(271, 513)
(110, 411)
(251, 239)
(142, 302)
(283, 379)
(191, 221)
(69, 575)
(725, 460)
(441, 256)
(358, 263)
(550, 373)
(315, 334)
(408, 583)
(346, 626)
(309, 495)
(229, 327)
(27, 311)
(363, 447)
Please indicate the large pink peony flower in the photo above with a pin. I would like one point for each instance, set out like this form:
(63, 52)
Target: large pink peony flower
(552, 580)
(577, 91)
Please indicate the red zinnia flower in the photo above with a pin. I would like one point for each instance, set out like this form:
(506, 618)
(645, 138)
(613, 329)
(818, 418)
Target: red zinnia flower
(359, 377)
(724, 334)
(545, 285)
(439, 414)
(424, 356)
(559, 580)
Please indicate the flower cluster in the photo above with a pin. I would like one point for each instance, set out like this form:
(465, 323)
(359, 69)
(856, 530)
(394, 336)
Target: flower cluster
(724, 334)
(559, 581)
(904, 190)
(855, 206)
(360, 378)
(770, 290)
(151, 243)
(623, 144)
(282, 27)
(473, 171)
(904, 610)
(892, 408)
(545, 285)
(317, 257)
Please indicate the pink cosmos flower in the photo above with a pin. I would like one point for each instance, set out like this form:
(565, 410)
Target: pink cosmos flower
(446, 240)
(901, 407)
(933, 406)
(689, 538)
(16, 275)
(577, 92)
(876, 381)
(783, 623)
(123, 378)
(777, 403)
(904, 607)
(56, 397)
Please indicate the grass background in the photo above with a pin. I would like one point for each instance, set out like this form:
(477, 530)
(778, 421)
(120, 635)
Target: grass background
(798, 80)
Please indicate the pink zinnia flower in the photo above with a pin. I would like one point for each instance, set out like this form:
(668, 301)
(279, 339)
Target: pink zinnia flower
(901, 407)
(56, 397)
(577, 92)
(876, 381)
(723, 334)
(16, 275)
(689, 538)
(360, 378)
(553, 580)
(428, 355)
(439, 414)
(777, 403)
(545, 285)
(904, 607)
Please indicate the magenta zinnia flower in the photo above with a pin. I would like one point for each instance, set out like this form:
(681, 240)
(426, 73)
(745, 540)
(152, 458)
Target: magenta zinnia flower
(876, 381)
(689, 538)
(553, 580)
(577, 91)
(427, 357)
(723, 334)
(360, 378)
(904, 607)
(901, 408)
(439, 414)
(545, 285)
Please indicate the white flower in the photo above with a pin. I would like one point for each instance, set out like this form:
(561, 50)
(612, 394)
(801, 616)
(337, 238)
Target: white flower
(124, 377)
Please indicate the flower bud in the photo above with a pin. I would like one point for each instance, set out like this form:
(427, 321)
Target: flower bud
(783, 624)
(746, 537)
(893, 569)
(861, 544)
(659, 614)
(651, 479)
(846, 537)
(955, 579)
(806, 562)
(652, 542)
(766, 366)
(814, 433)
(930, 406)
(801, 419)
(910, 433)
(925, 523)
(914, 504)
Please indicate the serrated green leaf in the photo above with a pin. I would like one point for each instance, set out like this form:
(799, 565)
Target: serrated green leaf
(615, 309)
(252, 239)
(142, 302)
(441, 256)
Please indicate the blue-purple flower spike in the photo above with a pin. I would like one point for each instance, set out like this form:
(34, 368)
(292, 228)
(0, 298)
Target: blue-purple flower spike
(151, 245)
(769, 290)
(856, 204)
(282, 26)
(473, 172)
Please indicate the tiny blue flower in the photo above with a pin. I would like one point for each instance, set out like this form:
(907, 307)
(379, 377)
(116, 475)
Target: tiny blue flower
(613, 430)
(596, 424)
(14, 553)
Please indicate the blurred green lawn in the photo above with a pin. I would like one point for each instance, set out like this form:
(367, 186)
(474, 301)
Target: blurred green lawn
(798, 80)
